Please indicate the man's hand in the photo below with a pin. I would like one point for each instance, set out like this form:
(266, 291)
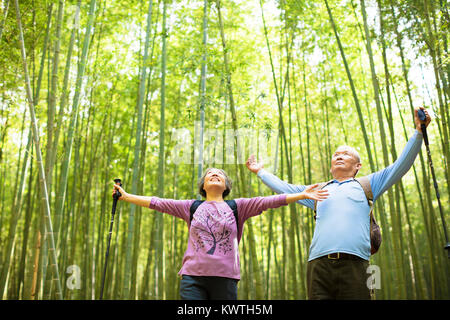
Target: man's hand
(253, 165)
(418, 122)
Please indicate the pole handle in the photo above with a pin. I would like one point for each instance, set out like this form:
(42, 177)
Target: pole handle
(422, 117)
(117, 194)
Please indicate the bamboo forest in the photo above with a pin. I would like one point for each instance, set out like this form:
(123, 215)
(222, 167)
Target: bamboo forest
(154, 92)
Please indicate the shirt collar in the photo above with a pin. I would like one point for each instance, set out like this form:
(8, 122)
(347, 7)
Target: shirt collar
(345, 181)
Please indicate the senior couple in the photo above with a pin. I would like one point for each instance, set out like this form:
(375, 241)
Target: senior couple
(341, 245)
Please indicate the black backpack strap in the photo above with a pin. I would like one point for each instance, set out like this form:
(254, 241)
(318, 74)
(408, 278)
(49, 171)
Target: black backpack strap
(193, 208)
(233, 205)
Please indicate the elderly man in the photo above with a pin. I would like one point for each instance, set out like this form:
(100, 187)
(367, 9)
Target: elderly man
(340, 248)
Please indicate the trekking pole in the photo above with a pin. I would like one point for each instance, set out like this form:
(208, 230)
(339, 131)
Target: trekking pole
(116, 197)
(423, 117)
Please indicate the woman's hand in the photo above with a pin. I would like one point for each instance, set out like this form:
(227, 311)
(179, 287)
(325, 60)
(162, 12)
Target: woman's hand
(142, 201)
(309, 193)
(122, 192)
(315, 194)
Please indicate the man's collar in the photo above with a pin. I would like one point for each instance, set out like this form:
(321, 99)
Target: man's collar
(344, 181)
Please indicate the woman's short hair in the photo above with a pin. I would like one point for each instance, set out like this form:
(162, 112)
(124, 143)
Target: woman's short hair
(201, 183)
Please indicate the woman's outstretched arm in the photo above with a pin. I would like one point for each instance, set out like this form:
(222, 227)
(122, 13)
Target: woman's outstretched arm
(177, 208)
(143, 201)
(250, 207)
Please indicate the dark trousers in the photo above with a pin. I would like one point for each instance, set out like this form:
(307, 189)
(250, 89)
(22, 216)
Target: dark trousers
(208, 288)
(338, 279)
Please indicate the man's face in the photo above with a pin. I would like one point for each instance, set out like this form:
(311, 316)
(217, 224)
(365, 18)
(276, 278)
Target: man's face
(344, 160)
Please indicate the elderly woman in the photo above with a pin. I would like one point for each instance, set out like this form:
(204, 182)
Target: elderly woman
(210, 268)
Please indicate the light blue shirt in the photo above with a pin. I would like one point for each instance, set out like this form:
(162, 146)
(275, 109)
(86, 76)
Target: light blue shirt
(342, 222)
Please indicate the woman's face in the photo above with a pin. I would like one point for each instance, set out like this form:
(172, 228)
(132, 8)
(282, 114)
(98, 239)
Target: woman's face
(214, 179)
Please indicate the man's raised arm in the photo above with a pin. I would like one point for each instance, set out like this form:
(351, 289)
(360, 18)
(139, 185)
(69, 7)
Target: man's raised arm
(382, 180)
(276, 184)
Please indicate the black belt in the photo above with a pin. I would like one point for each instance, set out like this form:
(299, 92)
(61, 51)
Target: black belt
(341, 256)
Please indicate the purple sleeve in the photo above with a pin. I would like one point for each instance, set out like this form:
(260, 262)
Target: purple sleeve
(176, 208)
(250, 207)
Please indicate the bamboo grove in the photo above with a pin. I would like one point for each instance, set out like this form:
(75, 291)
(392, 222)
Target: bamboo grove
(95, 90)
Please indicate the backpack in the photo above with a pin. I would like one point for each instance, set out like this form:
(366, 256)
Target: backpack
(231, 203)
(375, 232)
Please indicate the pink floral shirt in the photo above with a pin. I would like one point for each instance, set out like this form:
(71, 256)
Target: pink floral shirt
(213, 237)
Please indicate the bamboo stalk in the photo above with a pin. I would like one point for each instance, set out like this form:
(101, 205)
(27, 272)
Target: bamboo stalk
(395, 224)
(250, 233)
(137, 151)
(353, 89)
(5, 15)
(159, 247)
(44, 197)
